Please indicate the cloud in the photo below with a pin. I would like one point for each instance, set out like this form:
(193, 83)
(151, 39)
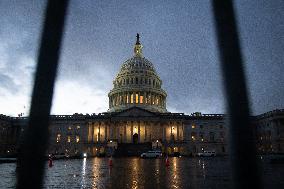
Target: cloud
(75, 97)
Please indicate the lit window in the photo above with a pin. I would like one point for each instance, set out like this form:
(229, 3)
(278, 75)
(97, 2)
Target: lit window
(68, 139)
(58, 137)
(69, 128)
(77, 138)
(193, 134)
(131, 98)
(141, 99)
(127, 99)
(193, 126)
(136, 98)
(78, 126)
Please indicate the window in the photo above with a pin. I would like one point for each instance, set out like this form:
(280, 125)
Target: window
(78, 126)
(193, 136)
(136, 79)
(58, 138)
(68, 139)
(69, 128)
(136, 98)
(77, 139)
(201, 135)
(131, 99)
(141, 99)
(193, 126)
(212, 136)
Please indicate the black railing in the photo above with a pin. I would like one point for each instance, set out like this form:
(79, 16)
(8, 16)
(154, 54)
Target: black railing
(30, 165)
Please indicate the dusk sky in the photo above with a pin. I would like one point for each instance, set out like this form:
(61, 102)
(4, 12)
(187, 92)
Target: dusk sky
(178, 38)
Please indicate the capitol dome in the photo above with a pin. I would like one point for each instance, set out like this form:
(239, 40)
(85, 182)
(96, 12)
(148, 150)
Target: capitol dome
(137, 85)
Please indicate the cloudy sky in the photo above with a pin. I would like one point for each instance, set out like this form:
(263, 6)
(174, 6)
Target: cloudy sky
(178, 37)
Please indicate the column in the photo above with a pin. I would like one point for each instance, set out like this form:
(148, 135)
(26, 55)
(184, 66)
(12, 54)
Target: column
(116, 126)
(177, 131)
(93, 133)
(129, 97)
(105, 132)
(138, 131)
(124, 96)
(164, 132)
(99, 134)
(125, 137)
(131, 139)
(145, 137)
(111, 131)
(144, 98)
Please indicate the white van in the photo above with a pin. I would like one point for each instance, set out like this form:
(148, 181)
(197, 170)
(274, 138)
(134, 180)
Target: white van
(207, 153)
(151, 154)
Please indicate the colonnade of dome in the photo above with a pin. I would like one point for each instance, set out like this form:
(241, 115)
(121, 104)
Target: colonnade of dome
(137, 84)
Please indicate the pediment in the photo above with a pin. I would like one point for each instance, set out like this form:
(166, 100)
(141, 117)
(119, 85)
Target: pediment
(135, 112)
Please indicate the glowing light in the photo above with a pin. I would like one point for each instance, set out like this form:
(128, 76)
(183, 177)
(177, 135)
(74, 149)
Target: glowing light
(84, 155)
(157, 141)
(110, 141)
(193, 126)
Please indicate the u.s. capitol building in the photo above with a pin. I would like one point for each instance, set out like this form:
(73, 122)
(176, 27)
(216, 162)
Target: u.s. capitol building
(137, 120)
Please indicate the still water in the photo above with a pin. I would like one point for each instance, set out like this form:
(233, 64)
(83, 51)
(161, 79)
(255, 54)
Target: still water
(142, 173)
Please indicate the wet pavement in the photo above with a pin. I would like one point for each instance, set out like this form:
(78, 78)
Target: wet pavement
(143, 173)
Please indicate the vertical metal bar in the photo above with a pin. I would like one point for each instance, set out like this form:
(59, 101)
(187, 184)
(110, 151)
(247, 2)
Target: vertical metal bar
(30, 165)
(242, 145)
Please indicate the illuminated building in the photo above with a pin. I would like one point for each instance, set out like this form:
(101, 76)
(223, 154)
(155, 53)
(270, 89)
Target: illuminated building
(137, 120)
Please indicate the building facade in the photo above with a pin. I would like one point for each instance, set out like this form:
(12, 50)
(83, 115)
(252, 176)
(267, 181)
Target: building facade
(137, 120)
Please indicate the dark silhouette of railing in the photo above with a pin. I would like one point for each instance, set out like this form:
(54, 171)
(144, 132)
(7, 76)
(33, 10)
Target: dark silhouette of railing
(30, 166)
(242, 144)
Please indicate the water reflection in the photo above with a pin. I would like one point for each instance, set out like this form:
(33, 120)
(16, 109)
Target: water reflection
(83, 182)
(135, 176)
(142, 173)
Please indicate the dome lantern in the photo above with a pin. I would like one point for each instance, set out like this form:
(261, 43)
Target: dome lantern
(138, 47)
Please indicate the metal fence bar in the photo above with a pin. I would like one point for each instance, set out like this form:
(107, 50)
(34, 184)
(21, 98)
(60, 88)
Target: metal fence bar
(30, 165)
(242, 144)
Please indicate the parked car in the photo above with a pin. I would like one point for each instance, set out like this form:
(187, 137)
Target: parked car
(151, 154)
(206, 154)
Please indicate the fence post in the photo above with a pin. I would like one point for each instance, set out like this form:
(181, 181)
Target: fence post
(242, 144)
(31, 160)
